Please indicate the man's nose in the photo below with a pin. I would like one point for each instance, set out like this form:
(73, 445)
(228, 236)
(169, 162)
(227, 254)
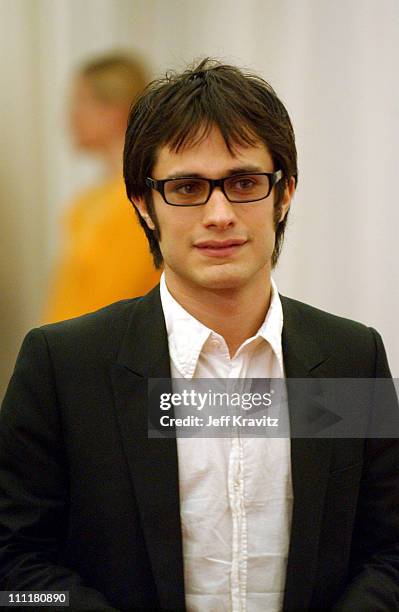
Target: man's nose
(218, 211)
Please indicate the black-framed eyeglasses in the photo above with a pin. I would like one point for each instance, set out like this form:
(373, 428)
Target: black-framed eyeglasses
(193, 191)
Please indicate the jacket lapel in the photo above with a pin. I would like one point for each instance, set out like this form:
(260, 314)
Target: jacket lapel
(152, 462)
(310, 459)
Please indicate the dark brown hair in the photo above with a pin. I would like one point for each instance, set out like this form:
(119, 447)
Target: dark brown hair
(179, 110)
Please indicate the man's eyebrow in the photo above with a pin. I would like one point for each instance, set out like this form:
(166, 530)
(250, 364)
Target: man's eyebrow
(247, 169)
(183, 174)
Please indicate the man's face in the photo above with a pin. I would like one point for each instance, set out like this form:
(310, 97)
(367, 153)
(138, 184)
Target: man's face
(219, 245)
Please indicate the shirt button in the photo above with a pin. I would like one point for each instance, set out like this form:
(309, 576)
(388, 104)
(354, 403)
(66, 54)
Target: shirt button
(215, 342)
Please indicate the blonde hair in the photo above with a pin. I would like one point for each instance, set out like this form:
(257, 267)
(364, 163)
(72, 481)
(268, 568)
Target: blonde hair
(116, 78)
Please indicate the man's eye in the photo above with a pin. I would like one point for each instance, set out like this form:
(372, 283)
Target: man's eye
(244, 184)
(187, 188)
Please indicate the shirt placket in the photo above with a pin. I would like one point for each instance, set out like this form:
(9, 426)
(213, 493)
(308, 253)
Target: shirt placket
(237, 505)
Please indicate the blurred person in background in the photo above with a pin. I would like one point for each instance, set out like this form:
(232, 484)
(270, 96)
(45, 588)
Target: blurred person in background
(105, 254)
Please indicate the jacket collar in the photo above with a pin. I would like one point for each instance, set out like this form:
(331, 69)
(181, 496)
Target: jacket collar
(147, 330)
(144, 348)
(302, 351)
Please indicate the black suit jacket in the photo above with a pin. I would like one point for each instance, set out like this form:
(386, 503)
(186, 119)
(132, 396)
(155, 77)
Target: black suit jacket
(89, 504)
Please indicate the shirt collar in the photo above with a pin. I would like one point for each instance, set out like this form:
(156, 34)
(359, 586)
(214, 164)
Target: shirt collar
(272, 327)
(187, 335)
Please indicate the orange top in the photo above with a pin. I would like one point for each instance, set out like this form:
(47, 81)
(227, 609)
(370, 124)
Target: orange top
(106, 255)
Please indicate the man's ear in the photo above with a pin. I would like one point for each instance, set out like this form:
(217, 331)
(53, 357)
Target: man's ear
(287, 197)
(141, 206)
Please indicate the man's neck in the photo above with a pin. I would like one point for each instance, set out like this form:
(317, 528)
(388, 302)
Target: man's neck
(235, 314)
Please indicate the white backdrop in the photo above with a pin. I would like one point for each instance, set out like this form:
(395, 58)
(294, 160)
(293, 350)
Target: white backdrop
(335, 64)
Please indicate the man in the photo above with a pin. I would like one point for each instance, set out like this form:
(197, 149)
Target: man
(90, 504)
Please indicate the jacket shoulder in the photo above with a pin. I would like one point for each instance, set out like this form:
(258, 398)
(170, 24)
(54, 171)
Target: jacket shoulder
(321, 319)
(97, 333)
(347, 341)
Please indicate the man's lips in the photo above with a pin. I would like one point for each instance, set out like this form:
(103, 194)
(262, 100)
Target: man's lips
(220, 248)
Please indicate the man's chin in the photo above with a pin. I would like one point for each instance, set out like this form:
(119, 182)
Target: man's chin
(221, 278)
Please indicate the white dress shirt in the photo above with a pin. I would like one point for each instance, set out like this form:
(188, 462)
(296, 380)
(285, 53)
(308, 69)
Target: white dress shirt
(235, 493)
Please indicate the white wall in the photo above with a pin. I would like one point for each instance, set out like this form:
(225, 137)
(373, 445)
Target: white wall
(335, 65)
(22, 209)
